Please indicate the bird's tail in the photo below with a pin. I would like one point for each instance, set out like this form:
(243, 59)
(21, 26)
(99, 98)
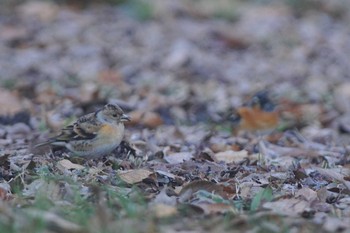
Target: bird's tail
(43, 144)
(59, 140)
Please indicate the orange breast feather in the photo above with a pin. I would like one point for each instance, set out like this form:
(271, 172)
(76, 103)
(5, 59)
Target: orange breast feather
(255, 119)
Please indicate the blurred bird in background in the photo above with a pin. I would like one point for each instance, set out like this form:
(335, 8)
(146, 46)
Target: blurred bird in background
(258, 114)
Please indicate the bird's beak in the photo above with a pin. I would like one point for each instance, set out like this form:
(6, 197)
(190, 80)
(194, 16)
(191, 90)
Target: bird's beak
(125, 117)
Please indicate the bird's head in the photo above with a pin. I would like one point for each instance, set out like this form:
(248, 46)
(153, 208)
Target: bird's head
(112, 113)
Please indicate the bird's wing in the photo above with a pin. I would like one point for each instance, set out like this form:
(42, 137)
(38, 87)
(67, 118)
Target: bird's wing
(85, 128)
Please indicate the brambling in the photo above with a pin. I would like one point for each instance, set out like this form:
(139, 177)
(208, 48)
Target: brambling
(93, 135)
(258, 115)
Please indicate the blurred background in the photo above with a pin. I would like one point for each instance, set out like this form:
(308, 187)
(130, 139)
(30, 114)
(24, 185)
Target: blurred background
(182, 69)
(173, 62)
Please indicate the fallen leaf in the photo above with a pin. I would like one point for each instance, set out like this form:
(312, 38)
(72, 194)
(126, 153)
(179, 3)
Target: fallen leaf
(188, 190)
(279, 151)
(151, 120)
(231, 40)
(289, 207)
(163, 210)
(180, 157)
(231, 156)
(65, 164)
(163, 198)
(307, 194)
(215, 208)
(135, 117)
(164, 173)
(148, 119)
(134, 176)
(9, 102)
(5, 191)
(323, 194)
(335, 175)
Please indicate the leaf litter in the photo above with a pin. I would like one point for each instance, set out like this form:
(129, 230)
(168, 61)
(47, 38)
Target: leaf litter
(183, 166)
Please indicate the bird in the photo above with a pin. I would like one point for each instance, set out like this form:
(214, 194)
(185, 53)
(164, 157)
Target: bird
(259, 114)
(92, 135)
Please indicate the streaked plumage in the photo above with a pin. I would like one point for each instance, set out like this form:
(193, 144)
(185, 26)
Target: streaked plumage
(93, 135)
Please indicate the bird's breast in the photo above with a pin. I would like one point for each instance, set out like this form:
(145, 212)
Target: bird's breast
(112, 132)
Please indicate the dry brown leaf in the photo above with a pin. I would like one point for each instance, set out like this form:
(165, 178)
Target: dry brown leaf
(134, 176)
(65, 164)
(152, 120)
(110, 77)
(135, 117)
(231, 40)
(9, 102)
(167, 174)
(307, 194)
(323, 194)
(335, 175)
(276, 151)
(5, 192)
(189, 189)
(218, 147)
(231, 156)
(289, 207)
(163, 198)
(180, 157)
(221, 147)
(164, 211)
(280, 175)
(148, 119)
(215, 208)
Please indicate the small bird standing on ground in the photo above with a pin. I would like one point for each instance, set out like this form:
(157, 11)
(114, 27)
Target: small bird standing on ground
(259, 115)
(93, 135)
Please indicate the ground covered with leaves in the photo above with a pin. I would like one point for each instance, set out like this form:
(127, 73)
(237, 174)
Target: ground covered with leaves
(179, 69)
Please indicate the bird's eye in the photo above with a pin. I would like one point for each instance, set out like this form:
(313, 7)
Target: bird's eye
(114, 115)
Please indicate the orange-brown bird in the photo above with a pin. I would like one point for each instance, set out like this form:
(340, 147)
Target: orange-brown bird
(259, 114)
